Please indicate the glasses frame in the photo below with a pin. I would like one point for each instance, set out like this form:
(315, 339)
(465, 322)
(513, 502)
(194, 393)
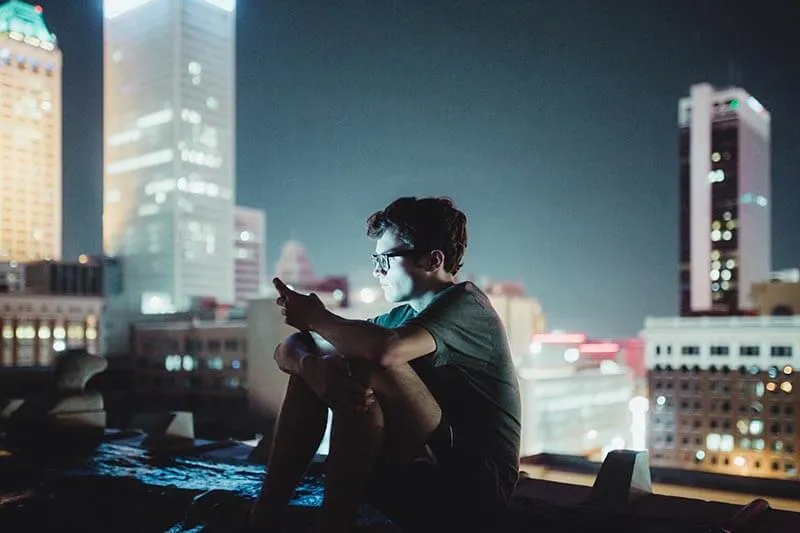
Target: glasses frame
(382, 260)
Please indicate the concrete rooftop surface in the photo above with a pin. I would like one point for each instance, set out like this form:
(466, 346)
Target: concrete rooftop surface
(209, 486)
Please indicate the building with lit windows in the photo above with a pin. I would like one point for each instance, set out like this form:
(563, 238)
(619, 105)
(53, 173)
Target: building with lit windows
(194, 365)
(577, 398)
(250, 243)
(725, 236)
(723, 394)
(35, 328)
(53, 306)
(169, 110)
(30, 135)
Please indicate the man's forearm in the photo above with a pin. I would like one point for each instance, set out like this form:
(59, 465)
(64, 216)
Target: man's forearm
(354, 338)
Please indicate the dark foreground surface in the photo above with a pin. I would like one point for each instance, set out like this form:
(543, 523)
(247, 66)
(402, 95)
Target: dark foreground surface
(121, 487)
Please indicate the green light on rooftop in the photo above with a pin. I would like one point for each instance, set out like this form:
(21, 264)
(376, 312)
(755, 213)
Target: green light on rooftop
(734, 104)
(23, 19)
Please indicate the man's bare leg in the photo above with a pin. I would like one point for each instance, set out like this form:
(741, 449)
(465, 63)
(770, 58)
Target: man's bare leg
(297, 436)
(358, 439)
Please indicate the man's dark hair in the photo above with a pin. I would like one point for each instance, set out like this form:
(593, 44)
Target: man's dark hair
(425, 224)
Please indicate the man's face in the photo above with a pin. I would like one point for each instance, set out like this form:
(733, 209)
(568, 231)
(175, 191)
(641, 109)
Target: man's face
(400, 280)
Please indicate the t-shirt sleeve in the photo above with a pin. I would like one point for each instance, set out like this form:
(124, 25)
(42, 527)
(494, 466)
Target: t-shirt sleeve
(463, 328)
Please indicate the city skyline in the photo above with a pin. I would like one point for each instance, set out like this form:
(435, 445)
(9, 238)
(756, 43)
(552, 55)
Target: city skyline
(331, 97)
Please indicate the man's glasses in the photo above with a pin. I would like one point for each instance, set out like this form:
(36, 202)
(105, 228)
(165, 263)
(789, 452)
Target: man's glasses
(382, 260)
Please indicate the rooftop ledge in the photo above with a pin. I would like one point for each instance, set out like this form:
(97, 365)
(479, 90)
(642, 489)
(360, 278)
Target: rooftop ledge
(208, 486)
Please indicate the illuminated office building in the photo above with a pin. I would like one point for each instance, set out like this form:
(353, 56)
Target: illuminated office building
(169, 184)
(30, 135)
(576, 398)
(725, 236)
(723, 394)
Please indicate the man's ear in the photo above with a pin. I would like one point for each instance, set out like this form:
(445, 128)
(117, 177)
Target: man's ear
(435, 260)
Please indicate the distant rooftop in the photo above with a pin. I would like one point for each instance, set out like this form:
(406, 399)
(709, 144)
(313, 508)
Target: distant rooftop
(18, 18)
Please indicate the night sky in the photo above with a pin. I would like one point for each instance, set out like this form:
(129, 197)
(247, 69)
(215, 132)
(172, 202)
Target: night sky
(552, 124)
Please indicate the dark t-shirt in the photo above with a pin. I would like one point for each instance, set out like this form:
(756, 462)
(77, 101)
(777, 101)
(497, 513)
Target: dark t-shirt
(471, 373)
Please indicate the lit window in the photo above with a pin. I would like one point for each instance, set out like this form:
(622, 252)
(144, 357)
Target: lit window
(75, 331)
(715, 157)
(726, 444)
(700, 455)
(756, 427)
(172, 363)
(716, 235)
(195, 68)
(727, 235)
(713, 442)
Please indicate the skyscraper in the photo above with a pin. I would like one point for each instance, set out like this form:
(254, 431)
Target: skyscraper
(30, 135)
(168, 209)
(725, 234)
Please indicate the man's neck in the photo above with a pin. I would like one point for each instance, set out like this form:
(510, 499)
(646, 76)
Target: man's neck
(422, 301)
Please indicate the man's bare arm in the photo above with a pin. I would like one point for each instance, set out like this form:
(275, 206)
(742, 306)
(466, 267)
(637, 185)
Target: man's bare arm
(360, 339)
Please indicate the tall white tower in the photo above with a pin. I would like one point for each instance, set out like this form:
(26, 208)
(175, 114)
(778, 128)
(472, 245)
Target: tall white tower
(30, 135)
(725, 195)
(169, 185)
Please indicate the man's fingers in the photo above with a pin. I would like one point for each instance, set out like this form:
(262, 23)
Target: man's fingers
(281, 287)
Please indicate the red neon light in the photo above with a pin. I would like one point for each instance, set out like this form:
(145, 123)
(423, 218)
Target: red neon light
(599, 348)
(559, 338)
(38, 9)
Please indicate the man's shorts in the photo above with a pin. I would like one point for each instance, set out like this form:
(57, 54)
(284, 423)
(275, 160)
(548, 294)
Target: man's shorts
(446, 489)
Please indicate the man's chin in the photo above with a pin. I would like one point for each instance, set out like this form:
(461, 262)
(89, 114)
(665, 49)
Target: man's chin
(390, 296)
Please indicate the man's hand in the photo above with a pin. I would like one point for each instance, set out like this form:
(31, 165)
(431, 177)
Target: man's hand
(301, 311)
(329, 378)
